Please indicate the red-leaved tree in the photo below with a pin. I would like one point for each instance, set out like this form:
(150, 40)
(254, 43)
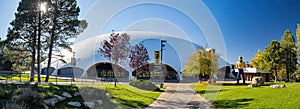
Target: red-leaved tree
(116, 49)
(138, 57)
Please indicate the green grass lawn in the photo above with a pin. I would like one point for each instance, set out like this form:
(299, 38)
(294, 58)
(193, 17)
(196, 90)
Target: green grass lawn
(129, 95)
(241, 96)
(132, 96)
(26, 78)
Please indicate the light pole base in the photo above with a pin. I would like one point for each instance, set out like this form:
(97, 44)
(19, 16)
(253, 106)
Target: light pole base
(161, 85)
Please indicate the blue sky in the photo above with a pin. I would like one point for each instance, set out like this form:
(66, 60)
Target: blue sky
(247, 25)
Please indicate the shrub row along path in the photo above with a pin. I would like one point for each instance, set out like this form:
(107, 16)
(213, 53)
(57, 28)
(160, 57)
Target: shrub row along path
(180, 96)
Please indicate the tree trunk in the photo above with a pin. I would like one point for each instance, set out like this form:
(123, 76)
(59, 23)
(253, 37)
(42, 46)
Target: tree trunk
(211, 77)
(115, 77)
(33, 57)
(287, 72)
(52, 38)
(32, 66)
(39, 49)
(276, 75)
(49, 58)
(50, 51)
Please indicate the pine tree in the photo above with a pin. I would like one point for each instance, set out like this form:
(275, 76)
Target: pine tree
(298, 35)
(289, 53)
(63, 25)
(39, 31)
(20, 59)
(23, 32)
(273, 58)
(297, 73)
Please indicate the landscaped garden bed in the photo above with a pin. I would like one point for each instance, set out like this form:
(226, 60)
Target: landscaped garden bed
(123, 95)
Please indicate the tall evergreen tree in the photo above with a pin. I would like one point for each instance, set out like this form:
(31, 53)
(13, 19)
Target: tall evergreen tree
(63, 25)
(298, 40)
(5, 64)
(298, 37)
(23, 31)
(20, 59)
(289, 53)
(297, 74)
(273, 58)
(54, 28)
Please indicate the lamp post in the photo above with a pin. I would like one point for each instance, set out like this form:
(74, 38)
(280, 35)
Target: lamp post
(162, 45)
(42, 8)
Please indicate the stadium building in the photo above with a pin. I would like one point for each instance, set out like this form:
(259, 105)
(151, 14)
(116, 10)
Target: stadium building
(89, 63)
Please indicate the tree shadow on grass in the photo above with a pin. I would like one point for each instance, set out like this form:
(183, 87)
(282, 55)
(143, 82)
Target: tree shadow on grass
(201, 92)
(132, 103)
(91, 94)
(236, 103)
(234, 84)
(143, 94)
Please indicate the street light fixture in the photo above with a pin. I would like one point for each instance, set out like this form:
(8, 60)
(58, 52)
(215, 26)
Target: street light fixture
(43, 7)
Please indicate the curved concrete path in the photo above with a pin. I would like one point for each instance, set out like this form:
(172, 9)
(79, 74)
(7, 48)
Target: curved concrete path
(180, 96)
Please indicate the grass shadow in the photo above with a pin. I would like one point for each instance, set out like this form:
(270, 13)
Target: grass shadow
(234, 84)
(236, 103)
(132, 103)
(201, 92)
(142, 94)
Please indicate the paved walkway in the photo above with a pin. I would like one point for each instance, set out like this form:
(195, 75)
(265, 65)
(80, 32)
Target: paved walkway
(180, 96)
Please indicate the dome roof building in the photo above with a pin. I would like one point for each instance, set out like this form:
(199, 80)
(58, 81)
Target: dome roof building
(176, 53)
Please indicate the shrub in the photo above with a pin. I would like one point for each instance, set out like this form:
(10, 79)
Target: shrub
(16, 106)
(144, 85)
(5, 94)
(27, 96)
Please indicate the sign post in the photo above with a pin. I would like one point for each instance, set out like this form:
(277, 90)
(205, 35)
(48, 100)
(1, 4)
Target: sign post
(157, 58)
(157, 66)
